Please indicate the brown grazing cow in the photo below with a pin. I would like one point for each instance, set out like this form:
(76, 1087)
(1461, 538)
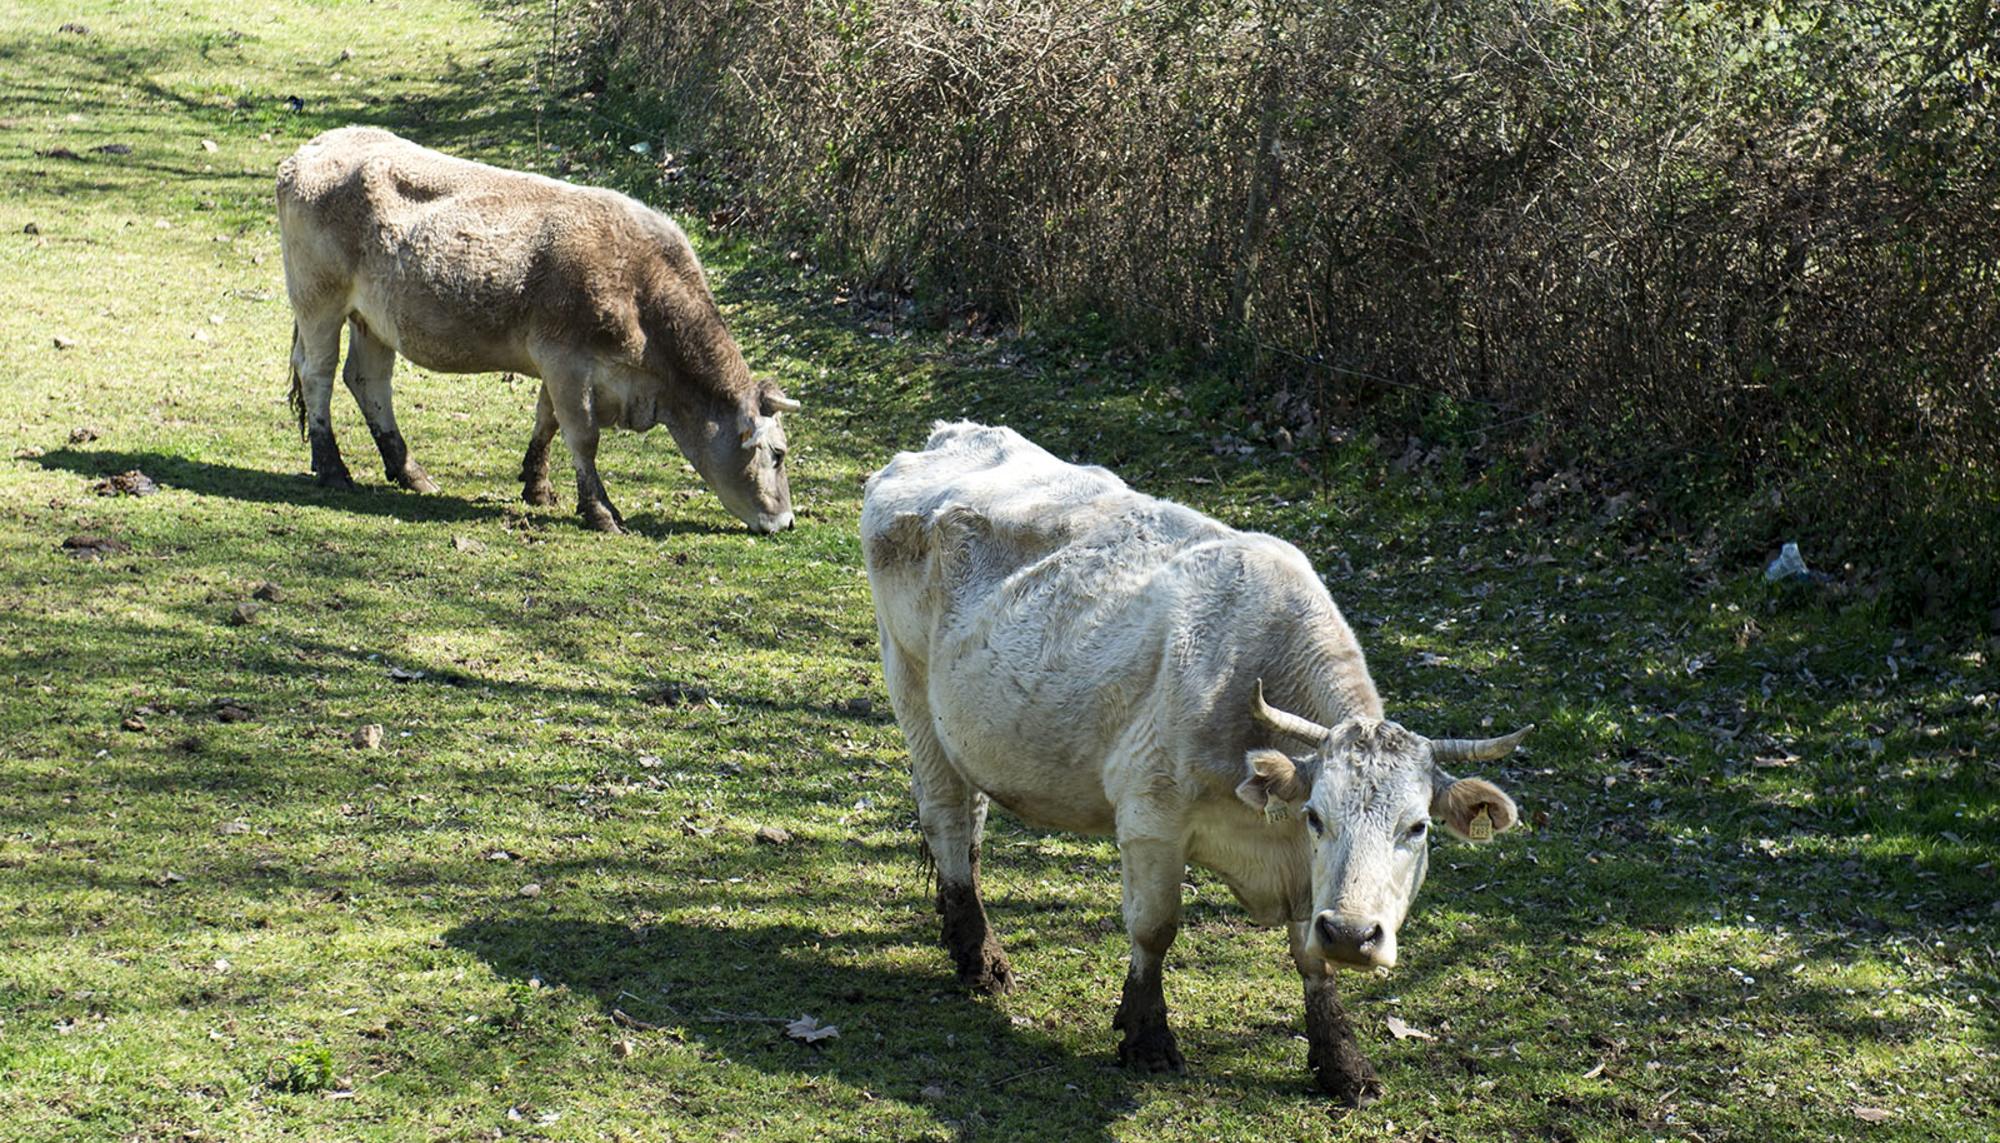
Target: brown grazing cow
(466, 268)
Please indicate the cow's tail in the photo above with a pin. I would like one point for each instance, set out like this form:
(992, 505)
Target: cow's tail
(298, 384)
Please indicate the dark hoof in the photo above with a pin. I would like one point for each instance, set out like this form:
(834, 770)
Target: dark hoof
(1153, 1050)
(598, 519)
(991, 976)
(338, 480)
(542, 497)
(417, 480)
(1354, 1091)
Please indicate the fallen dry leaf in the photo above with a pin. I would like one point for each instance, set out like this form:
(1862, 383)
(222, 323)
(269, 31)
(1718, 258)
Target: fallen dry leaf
(367, 737)
(1873, 1114)
(1403, 1031)
(809, 1030)
(773, 835)
(1594, 1072)
(531, 890)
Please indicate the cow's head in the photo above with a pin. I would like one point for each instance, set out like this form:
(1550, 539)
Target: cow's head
(1368, 792)
(743, 460)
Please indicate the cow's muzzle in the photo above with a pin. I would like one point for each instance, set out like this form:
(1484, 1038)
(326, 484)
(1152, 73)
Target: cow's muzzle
(766, 525)
(1358, 941)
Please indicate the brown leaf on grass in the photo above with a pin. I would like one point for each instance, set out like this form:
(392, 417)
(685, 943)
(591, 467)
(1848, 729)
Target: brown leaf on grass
(467, 545)
(1402, 1031)
(244, 613)
(1595, 1072)
(773, 835)
(1873, 1114)
(367, 737)
(65, 342)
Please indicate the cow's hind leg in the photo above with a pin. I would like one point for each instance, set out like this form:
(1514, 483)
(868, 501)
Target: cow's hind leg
(315, 352)
(535, 486)
(371, 366)
(1151, 869)
(952, 816)
(1331, 1051)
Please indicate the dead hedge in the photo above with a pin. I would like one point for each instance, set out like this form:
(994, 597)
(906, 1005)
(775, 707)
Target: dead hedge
(1753, 247)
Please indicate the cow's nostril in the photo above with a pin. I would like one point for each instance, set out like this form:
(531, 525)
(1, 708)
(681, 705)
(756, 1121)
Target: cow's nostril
(1328, 931)
(1371, 939)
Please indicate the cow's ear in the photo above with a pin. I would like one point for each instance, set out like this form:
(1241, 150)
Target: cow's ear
(1473, 809)
(1274, 776)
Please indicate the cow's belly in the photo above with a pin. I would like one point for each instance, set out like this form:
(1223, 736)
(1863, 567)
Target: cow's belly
(438, 336)
(1039, 759)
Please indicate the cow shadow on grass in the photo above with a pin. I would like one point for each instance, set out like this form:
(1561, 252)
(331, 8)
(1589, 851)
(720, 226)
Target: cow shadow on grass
(905, 1034)
(253, 485)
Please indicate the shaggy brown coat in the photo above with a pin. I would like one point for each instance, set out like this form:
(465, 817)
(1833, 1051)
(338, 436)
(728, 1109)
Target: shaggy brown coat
(466, 268)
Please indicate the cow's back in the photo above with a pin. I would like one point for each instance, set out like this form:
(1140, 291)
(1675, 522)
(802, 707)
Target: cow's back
(461, 266)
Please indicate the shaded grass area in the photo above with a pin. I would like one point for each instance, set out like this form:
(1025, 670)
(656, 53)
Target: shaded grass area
(1756, 895)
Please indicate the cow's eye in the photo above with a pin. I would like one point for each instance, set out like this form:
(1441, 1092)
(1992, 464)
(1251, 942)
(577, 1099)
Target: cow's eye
(1417, 831)
(1312, 819)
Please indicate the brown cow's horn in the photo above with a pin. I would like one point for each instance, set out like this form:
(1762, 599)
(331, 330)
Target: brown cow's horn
(1477, 749)
(1283, 722)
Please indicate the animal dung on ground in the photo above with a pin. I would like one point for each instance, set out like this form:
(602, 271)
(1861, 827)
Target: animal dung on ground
(244, 613)
(131, 482)
(773, 835)
(82, 434)
(530, 891)
(88, 547)
(367, 737)
(227, 710)
(65, 342)
(268, 592)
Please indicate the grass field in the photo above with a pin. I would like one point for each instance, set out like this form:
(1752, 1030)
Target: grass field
(1756, 902)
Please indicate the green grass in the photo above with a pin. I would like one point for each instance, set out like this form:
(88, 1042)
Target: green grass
(252, 929)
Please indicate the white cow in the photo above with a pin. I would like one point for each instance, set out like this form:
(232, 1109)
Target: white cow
(1097, 660)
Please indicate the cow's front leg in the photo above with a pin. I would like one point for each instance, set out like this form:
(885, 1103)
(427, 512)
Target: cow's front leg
(1331, 1051)
(1152, 872)
(576, 418)
(535, 486)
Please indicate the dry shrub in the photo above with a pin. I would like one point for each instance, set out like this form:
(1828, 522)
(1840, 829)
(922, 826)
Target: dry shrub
(1755, 241)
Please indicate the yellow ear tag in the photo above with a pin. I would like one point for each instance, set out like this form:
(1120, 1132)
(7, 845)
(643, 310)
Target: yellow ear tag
(1481, 826)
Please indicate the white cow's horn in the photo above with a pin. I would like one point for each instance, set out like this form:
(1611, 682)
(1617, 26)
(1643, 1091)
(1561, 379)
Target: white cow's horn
(1282, 722)
(1477, 749)
(781, 404)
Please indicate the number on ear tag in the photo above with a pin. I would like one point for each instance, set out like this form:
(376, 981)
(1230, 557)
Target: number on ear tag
(1481, 826)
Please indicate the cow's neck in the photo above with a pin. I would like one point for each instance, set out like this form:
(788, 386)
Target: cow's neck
(1325, 655)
